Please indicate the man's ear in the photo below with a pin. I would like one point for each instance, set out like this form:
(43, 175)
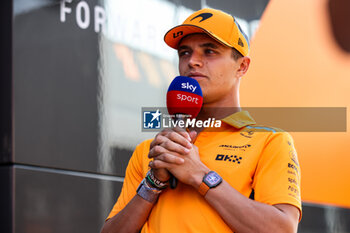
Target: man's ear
(244, 63)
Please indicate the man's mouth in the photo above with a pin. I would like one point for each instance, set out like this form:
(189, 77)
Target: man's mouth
(196, 75)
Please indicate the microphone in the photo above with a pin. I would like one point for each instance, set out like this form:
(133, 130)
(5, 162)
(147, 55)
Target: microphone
(184, 100)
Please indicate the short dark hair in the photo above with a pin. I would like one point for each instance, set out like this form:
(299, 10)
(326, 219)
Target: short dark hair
(235, 54)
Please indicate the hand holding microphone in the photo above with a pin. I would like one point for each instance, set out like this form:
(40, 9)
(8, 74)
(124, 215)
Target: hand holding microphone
(184, 101)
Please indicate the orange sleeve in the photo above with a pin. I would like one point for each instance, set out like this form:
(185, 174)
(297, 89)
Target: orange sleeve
(277, 176)
(133, 177)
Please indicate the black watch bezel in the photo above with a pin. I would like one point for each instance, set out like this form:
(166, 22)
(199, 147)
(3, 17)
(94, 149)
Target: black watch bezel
(212, 183)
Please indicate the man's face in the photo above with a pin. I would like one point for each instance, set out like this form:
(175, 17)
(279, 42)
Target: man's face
(212, 65)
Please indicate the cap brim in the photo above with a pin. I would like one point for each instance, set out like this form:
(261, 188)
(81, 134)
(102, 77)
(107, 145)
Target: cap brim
(173, 37)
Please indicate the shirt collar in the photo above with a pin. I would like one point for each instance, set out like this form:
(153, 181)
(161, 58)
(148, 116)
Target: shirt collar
(239, 119)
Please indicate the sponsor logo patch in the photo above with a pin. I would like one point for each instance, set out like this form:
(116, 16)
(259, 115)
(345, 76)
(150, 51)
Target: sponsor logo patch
(232, 147)
(229, 158)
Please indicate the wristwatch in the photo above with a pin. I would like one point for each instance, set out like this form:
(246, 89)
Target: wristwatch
(148, 193)
(210, 180)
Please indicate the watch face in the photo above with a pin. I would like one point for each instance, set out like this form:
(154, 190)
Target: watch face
(212, 179)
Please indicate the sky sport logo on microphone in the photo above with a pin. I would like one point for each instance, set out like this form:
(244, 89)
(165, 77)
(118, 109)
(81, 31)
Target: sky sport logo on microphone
(184, 101)
(184, 96)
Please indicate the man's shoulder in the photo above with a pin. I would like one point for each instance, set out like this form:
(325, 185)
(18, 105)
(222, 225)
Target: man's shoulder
(268, 132)
(145, 142)
(140, 154)
(144, 145)
(264, 128)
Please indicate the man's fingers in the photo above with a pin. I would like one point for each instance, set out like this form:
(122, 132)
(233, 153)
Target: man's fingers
(193, 135)
(183, 133)
(168, 144)
(178, 130)
(160, 153)
(158, 139)
(175, 147)
(177, 135)
(170, 158)
(156, 150)
(180, 137)
(158, 164)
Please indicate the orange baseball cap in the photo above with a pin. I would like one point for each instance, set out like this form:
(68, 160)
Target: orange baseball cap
(217, 24)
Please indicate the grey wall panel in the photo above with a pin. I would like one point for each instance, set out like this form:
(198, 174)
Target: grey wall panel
(60, 76)
(55, 88)
(57, 120)
(49, 200)
(247, 9)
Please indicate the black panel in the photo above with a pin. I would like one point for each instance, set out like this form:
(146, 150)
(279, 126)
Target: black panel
(324, 219)
(6, 199)
(55, 88)
(49, 200)
(5, 81)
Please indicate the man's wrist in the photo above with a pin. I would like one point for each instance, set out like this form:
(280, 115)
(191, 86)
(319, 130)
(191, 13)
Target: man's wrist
(155, 182)
(161, 174)
(147, 192)
(198, 177)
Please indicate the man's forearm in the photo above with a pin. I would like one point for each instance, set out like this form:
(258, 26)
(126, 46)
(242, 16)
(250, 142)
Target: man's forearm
(244, 215)
(131, 218)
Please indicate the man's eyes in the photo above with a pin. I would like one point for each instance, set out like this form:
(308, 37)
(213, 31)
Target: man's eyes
(188, 52)
(184, 52)
(210, 51)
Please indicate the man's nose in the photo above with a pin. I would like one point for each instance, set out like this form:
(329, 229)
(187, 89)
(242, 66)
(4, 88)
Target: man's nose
(195, 60)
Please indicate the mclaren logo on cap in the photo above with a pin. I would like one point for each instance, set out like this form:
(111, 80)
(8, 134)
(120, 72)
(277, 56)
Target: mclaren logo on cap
(240, 42)
(204, 16)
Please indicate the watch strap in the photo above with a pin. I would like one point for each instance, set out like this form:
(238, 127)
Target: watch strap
(203, 189)
(148, 193)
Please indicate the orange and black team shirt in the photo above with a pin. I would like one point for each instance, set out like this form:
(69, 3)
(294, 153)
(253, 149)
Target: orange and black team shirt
(251, 158)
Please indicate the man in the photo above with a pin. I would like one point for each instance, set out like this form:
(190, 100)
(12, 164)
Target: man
(217, 172)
